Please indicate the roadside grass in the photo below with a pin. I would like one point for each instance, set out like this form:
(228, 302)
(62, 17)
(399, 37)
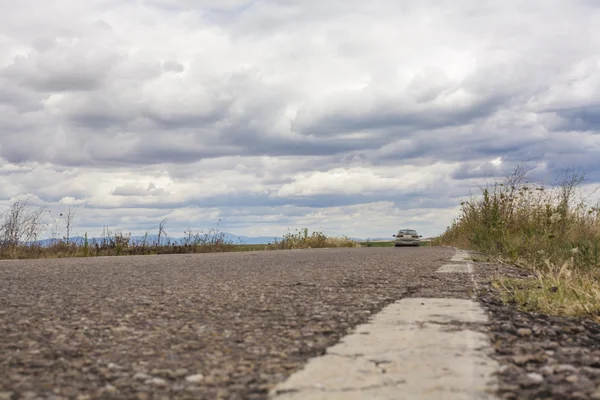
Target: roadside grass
(551, 230)
(301, 239)
(21, 226)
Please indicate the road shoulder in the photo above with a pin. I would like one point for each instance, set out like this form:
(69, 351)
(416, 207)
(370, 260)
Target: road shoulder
(540, 356)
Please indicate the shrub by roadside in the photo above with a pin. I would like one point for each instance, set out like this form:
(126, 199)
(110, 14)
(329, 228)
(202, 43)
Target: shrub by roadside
(551, 230)
(302, 240)
(22, 225)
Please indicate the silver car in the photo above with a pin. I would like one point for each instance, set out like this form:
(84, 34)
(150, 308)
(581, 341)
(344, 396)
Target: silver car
(407, 237)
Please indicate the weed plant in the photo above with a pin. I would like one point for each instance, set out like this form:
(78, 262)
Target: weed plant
(22, 225)
(551, 230)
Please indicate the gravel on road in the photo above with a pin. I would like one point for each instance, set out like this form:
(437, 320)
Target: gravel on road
(541, 356)
(194, 326)
(232, 326)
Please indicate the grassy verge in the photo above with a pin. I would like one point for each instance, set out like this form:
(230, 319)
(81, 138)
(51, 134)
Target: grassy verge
(551, 230)
(21, 225)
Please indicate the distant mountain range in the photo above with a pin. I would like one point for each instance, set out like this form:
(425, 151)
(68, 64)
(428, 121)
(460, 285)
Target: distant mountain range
(228, 237)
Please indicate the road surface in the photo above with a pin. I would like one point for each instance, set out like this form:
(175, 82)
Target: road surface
(230, 325)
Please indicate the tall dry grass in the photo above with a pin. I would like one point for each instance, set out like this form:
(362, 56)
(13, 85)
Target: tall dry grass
(553, 230)
(301, 239)
(23, 224)
(20, 224)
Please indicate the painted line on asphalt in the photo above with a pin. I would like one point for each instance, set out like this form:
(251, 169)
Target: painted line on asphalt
(456, 268)
(468, 268)
(460, 255)
(416, 348)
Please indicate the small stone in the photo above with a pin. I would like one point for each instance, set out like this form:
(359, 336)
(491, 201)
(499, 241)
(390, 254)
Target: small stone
(508, 327)
(535, 377)
(158, 382)
(503, 368)
(524, 332)
(579, 396)
(531, 368)
(566, 368)
(591, 371)
(547, 370)
(195, 378)
(210, 380)
(110, 388)
(509, 388)
(180, 372)
(140, 376)
(114, 366)
(522, 359)
(164, 372)
(572, 379)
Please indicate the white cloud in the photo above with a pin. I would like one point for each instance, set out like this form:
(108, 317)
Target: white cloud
(361, 180)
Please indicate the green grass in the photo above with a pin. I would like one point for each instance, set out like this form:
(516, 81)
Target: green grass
(551, 230)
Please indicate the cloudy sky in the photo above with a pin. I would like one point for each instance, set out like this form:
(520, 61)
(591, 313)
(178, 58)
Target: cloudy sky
(353, 117)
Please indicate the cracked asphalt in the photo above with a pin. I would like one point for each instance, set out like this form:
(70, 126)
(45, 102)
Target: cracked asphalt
(228, 326)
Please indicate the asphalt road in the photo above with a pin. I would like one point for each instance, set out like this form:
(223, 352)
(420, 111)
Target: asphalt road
(238, 323)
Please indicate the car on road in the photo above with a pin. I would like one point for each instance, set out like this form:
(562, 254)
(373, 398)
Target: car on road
(407, 237)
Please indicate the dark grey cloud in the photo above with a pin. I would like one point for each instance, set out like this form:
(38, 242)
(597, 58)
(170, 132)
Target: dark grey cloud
(57, 69)
(18, 99)
(388, 115)
(580, 119)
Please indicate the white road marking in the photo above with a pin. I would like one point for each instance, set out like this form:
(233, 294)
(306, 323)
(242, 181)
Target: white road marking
(460, 255)
(471, 271)
(414, 349)
(456, 268)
